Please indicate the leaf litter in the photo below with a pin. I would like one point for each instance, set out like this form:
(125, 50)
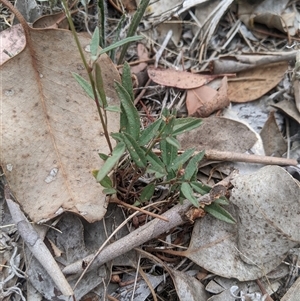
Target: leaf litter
(271, 192)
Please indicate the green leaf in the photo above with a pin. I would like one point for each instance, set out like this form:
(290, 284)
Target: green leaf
(192, 166)
(110, 162)
(106, 182)
(104, 157)
(200, 188)
(150, 132)
(147, 193)
(94, 173)
(156, 165)
(221, 201)
(127, 81)
(117, 136)
(113, 109)
(137, 154)
(183, 125)
(85, 85)
(135, 21)
(109, 191)
(120, 43)
(100, 86)
(173, 141)
(102, 22)
(180, 160)
(131, 123)
(168, 152)
(94, 47)
(187, 192)
(220, 213)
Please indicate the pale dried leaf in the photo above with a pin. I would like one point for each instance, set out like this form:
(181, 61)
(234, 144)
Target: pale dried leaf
(274, 143)
(219, 134)
(289, 108)
(267, 204)
(254, 83)
(188, 287)
(269, 13)
(178, 79)
(12, 42)
(51, 131)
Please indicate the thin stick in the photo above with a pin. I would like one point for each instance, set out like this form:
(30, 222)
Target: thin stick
(238, 157)
(215, 155)
(117, 201)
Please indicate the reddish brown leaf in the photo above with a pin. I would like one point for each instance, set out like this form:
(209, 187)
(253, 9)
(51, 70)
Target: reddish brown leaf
(203, 101)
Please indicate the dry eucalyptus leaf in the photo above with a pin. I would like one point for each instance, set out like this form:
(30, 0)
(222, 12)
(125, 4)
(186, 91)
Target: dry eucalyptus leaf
(219, 134)
(179, 79)
(254, 83)
(12, 42)
(51, 130)
(272, 14)
(274, 143)
(267, 206)
(188, 287)
(203, 101)
(289, 108)
(58, 20)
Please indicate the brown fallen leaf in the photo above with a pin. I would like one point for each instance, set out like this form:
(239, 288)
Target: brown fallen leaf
(179, 79)
(289, 108)
(143, 54)
(203, 101)
(254, 83)
(58, 20)
(51, 134)
(274, 143)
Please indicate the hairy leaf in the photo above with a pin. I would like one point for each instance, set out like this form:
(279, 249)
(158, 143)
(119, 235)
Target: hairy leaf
(110, 162)
(126, 80)
(192, 166)
(147, 192)
(150, 132)
(188, 193)
(130, 119)
(180, 160)
(183, 125)
(137, 154)
(220, 213)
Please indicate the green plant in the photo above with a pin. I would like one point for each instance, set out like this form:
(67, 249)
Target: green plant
(150, 154)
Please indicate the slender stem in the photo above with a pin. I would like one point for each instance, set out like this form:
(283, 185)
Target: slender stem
(89, 71)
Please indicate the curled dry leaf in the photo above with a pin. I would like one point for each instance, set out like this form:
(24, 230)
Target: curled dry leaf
(51, 130)
(203, 101)
(267, 208)
(272, 14)
(179, 79)
(254, 83)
